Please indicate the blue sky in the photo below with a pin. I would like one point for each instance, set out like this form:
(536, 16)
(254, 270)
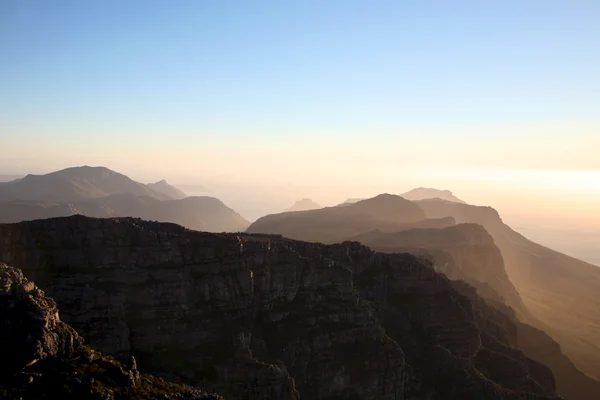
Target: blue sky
(122, 82)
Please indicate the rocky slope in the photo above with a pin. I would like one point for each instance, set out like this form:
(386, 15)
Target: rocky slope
(562, 293)
(261, 317)
(44, 358)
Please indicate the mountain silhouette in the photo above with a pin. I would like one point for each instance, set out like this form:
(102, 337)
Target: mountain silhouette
(102, 193)
(332, 224)
(73, 184)
(303, 205)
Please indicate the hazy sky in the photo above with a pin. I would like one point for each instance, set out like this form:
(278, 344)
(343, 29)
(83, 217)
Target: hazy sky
(496, 100)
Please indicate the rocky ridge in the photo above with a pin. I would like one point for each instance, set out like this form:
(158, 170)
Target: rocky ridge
(262, 317)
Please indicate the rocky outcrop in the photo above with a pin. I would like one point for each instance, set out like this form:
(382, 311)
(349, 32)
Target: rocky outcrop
(30, 330)
(42, 357)
(262, 317)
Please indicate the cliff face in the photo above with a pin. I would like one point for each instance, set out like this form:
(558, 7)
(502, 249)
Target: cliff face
(44, 358)
(260, 317)
(561, 292)
(465, 251)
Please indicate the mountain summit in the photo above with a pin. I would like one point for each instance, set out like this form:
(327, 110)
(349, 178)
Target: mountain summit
(168, 190)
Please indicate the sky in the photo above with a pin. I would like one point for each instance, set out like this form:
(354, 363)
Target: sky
(498, 101)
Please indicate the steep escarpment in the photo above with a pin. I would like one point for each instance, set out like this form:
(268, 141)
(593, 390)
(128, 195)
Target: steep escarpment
(465, 251)
(44, 358)
(561, 292)
(261, 317)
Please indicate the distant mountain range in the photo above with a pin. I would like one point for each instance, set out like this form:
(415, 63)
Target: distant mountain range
(420, 193)
(303, 205)
(101, 192)
(73, 184)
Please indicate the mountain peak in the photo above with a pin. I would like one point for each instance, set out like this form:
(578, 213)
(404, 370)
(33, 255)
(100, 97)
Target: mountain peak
(75, 184)
(304, 204)
(170, 191)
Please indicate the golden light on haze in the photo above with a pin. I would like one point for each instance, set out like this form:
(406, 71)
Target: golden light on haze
(546, 173)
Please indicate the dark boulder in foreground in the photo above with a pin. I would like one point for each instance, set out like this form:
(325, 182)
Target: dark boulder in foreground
(44, 358)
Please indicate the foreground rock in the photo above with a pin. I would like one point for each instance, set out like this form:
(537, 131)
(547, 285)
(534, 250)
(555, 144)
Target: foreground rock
(42, 357)
(261, 317)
